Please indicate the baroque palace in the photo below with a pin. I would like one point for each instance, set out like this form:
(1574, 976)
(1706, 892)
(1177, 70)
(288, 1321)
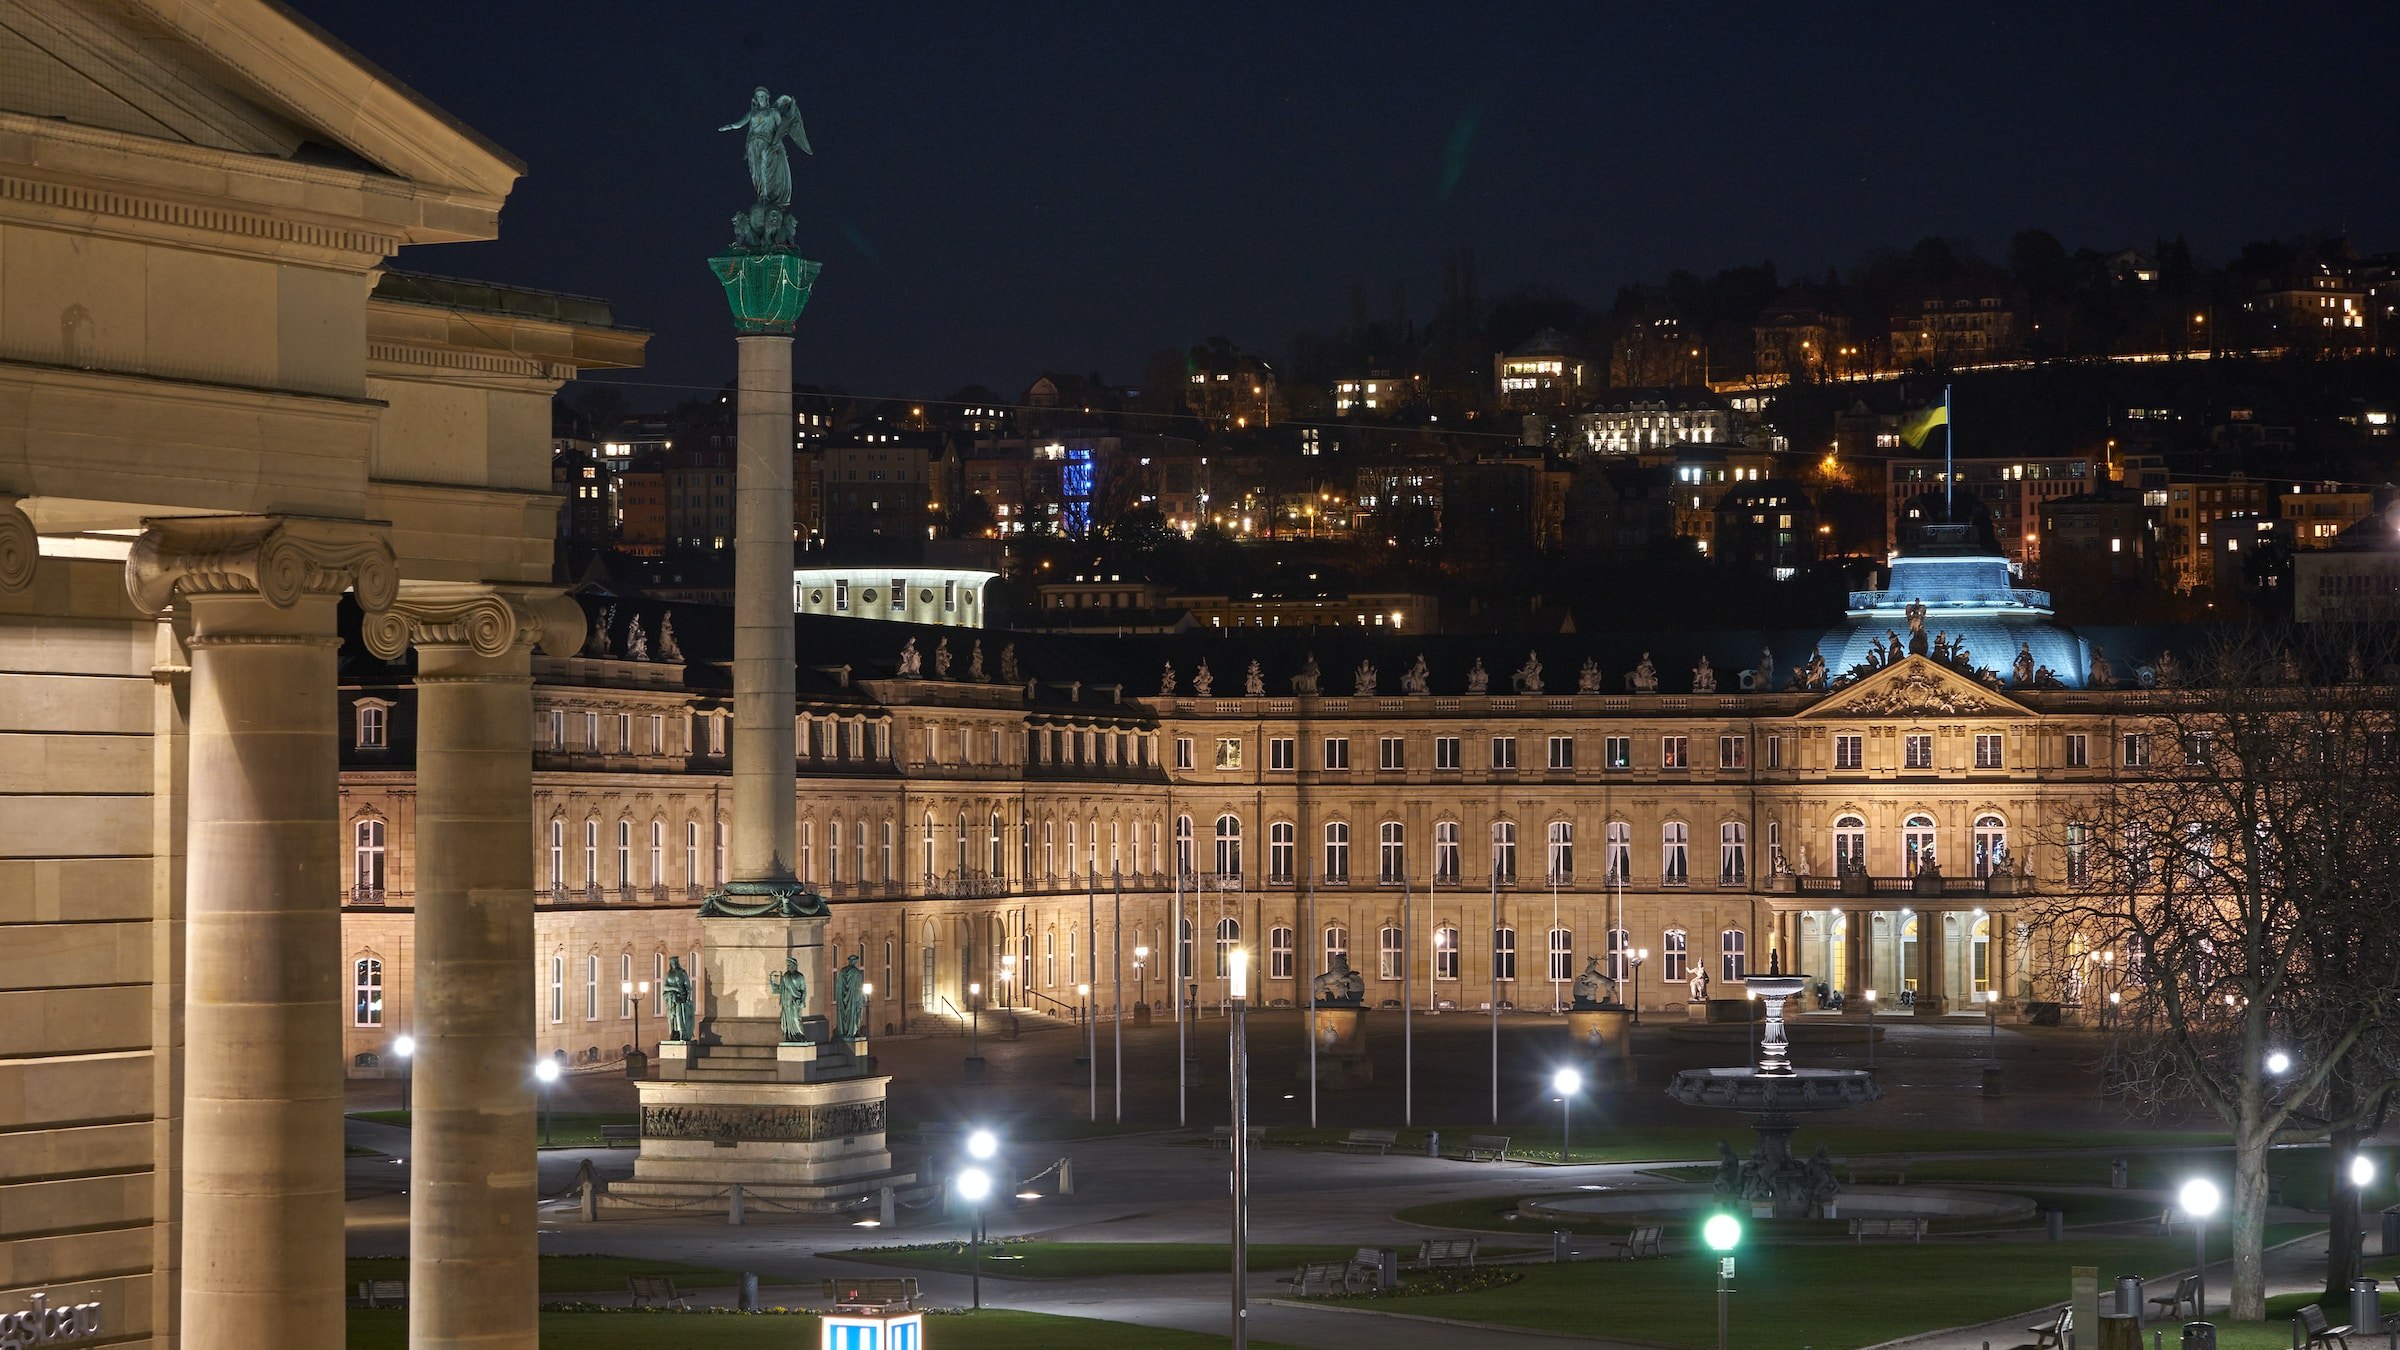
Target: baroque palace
(1874, 802)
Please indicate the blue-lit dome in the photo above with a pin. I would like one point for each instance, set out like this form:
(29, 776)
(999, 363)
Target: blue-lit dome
(1955, 571)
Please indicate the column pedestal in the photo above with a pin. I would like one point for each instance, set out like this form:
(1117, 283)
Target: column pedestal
(1856, 929)
(1342, 1062)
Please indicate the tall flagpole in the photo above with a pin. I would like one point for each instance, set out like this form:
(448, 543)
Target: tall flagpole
(1495, 945)
(1408, 1008)
(1183, 1054)
(1949, 449)
(1314, 941)
(1116, 980)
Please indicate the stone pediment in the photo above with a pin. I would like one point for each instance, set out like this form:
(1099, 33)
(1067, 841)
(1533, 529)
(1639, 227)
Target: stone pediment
(1918, 687)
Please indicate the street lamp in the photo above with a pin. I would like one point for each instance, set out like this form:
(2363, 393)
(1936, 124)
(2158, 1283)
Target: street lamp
(634, 992)
(2199, 1199)
(1723, 1233)
(545, 1072)
(974, 1026)
(1008, 976)
(404, 1046)
(1566, 1083)
(2279, 1063)
(1141, 981)
(1091, 1049)
(974, 1184)
(2362, 1170)
(1238, 1032)
(1870, 1031)
(1640, 954)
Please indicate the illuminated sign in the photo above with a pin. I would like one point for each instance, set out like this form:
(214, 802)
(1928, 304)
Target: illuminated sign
(867, 1331)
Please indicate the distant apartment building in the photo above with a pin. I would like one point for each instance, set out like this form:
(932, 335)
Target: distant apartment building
(2316, 514)
(2107, 538)
(1802, 342)
(642, 506)
(699, 482)
(1952, 330)
(1546, 371)
(587, 480)
(1703, 475)
(2354, 579)
(2194, 508)
(1377, 393)
(2315, 306)
(877, 488)
(1231, 390)
(1766, 528)
(2014, 490)
(996, 475)
(1646, 421)
(1657, 354)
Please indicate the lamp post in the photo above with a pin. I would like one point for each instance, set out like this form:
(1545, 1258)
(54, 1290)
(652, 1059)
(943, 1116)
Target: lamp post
(545, 1072)
(1870, 1031)
(973, 1185)
(1723, 1233)
(1239, 1036)
(1008, 978)
(1566, 1083)
(1091, 1049)
(2199, 1199)
(1141, 980)
(404, 1047)
(1640, 954)
(974, 1025)
(634, 991)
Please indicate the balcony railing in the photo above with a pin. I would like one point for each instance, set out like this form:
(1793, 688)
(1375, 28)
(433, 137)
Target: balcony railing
(1928, 883)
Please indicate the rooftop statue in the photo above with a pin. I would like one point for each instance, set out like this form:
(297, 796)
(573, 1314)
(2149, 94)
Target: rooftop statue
(1587, 680)
(1418, 680)
(1528, 679)
(1254, 681)
(765, 126)
(637, 643)
(975, 662)
(941, 659)
(597, 643)
(1306, 681)
(1009, 674)
(1364, 681)
(1704, 677)
(2021, 672)
(1479, 680)
(910, 663)
(1203, 680)
(1643, 678)
(667, 650)
(1166, 681)
(2104, 675)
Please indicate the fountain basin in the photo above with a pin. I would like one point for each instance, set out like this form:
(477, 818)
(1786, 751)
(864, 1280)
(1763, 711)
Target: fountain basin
(1774, 1094)
(1857, 1202)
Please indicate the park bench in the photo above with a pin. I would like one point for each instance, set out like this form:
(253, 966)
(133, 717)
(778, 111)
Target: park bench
(1366, 1268)
(648, 1290)
(1912, 1229)
(613, 1135)
(383, 1293)
(1639, 1245)
(1222, 1136)
(2051, 1332)
(2187, 1290)
(1328, 1276)
(2167, 1219)
(1487, 1148)
(872, 1294)
(1382, 1141)
(2312, 1321)
(1435, 1252)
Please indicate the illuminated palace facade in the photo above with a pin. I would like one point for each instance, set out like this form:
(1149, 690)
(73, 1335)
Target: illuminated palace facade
(1890, 832)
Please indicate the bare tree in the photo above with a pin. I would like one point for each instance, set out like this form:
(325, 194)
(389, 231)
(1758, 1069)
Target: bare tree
(2239, 877)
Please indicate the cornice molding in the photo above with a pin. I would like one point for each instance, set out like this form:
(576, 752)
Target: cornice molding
(226, 228)
(280, 559)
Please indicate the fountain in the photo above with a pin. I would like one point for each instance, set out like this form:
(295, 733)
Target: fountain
(1771, 1181)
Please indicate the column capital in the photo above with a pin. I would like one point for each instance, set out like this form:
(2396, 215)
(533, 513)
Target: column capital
(484, 618)
(19, 546)
(279, 559)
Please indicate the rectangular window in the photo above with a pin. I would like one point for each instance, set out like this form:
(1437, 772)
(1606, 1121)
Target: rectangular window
(1774, 752)
(591, 732)
(1504, 953)
(841, 596)
(591, 989)
(1229, 752)
(558, 989)
(658, 734)
(2137, 750)
(1504, 752)
(1389, 960)
(1849, 752)
(1279, 954)
(1280, 848)
(374, 726)
(1562, 752)
(1445, 754)
(624, 733)
(1445, 851)
(1617, 753)
(558, 728)
(1337, 753)
(1282, 754)
(1391, 857)
(1183, 752)
(1391, 754)
(1917, 752)
(1987, 751)
(949, 597)
(1678, 954)
(1337, 852)
(1674, 752)
(1733, 752)
(1674, 853)
(1445, 953)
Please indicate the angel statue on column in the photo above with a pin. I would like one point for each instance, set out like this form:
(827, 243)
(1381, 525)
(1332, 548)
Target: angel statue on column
(766, 124)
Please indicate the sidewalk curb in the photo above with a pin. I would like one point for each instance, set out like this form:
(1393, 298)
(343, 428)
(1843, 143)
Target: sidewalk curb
(1462, 1322)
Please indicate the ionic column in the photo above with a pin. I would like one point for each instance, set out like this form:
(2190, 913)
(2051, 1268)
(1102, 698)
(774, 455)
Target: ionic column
(19, 547)
(1933, 965)
(765, 782)
(1854, 959)
(472, 1192)
(262, 1158)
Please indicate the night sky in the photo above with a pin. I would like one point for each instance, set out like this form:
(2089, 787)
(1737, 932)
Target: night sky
(1000, 190)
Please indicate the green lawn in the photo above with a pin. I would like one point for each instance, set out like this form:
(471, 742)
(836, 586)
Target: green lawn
(572, 1274)
(376, 1329)
(1493, 1214)
(2304, 1173)
(1832, 1296)
(1078, 1260)
(568, 1129)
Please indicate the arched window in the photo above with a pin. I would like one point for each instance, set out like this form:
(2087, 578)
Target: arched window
(1445, 850)
(1445, 953)
(1390, 953)
(624, 855)
(558, 990)
(591, 854)
(1620, 954)
(1074, 849)
(994, 850)
(1991, 844)
(1391, 853)
(366, 861)
(1559, 862)
(558, 854)
(1183, 948)
(1282, 844)
(1504, 953)
(1562, 955)
(591, 988)
(1620, 852)
(658, 853)
(1050, 957)
(888, 845)
(1229, 936)
(1675, 949)
(625, 1004)
(1733, 853)
(720, 852)
(1733, 955)
(1229, 845)
(691, 855)
(1849, 844)
(962, 843)
(1774, 847)
(1279, 953)
(1674, 853)
(858, 851)
(374, 724)
(1183, 845)
(2078, 850)
(1337, 852)
(928, 850)
(833, 851)
(1504, 851)
(808, 850)
(366, 992)
(1916, 843)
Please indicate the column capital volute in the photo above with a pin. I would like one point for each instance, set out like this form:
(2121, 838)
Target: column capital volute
(20, 546)
(279, 559)
(489, 620)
